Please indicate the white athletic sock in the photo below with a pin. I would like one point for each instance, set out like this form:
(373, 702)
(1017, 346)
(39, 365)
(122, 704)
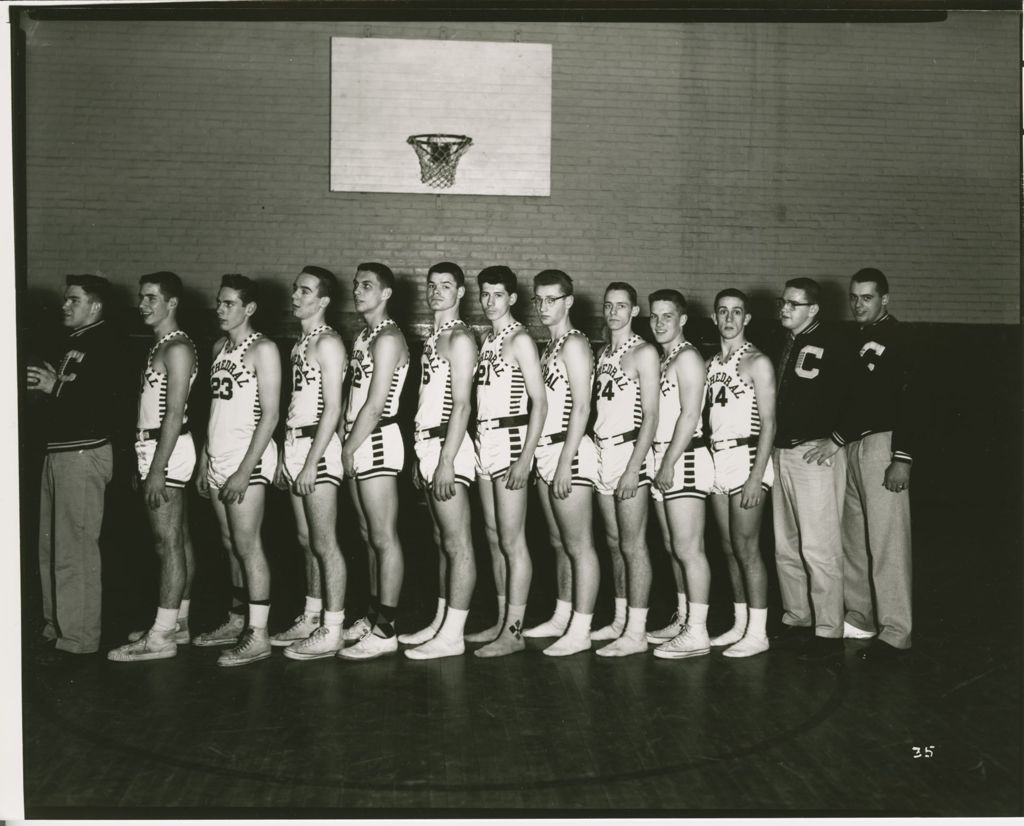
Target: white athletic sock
(454, 623)
(698, 616)
(563, 611)
(620, 611)
(334, 618)
(166, 618)
(258, 615)
(513, 618)
(681, 607)
(637, 623)
(740, 616)
(579, 625)
(314, 605)
(758, 622)
(183, 610)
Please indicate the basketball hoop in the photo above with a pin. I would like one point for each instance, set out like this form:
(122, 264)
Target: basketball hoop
(438, 156)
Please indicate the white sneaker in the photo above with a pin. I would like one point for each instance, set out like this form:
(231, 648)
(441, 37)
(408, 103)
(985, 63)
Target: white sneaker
(730, 637)
(224, 634)
(181, 634)
(670, 631)
(688, 643)
(370, 647)
(253, 646)
(357, 630)
(302, 627)
(421, 636)
(324, 641)
(747, 647)
(152, 645)
(852, 632)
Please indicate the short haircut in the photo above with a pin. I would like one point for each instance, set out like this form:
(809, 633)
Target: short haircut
(553, 278)
(731, 292)
(674, 296)
(385, 277)
(245, 287)
(327, 282)
(95, 286)
(499, 274)
(876, 276)
(624, 287)
(808, 286)
(169, 283)
(452, 269)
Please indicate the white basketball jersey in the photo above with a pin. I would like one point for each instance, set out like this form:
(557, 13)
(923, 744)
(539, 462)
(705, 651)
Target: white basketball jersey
(669, 408)
(307, 402)
(234, 398)
(360, 367)
(556, 385)
(500, 387)
(435, 401)
(618, 396)
(153, 388)
(730, 399)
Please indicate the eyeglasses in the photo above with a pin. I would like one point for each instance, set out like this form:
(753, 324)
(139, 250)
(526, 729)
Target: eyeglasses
(790, 305)
(544, 303)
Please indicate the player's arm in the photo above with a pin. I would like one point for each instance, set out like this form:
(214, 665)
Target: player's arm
(524, 352)
(203, 460)
(387, 351)
(579, 363)
(759, 370)
(646, 368)
(266, 364)
(329, 353)
(690, 375)
(460, 350)
(178, 360)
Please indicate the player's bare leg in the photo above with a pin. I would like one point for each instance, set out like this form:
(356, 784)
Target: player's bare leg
(683, 519)
(745, 528)
(453, 519)
(362, 625)
(720, 509)
(559, 621)
(632, 522)
(606, 506)
(428, 632)
(574, 520)
(678, 620)
(158, 642)
(498, 561)
(510, 510)
(311, 617)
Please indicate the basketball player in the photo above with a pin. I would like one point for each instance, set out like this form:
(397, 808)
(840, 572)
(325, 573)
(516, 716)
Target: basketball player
(373, 453)
(627, 419)
(240, 457)
(444, 455)
(567, 466)
(683, 474)
(312, 467)
(810, 477)
(166, 456)
(740, 399)
(511, 409)
(876, 509)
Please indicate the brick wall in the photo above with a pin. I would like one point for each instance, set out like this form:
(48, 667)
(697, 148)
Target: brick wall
(691, 155)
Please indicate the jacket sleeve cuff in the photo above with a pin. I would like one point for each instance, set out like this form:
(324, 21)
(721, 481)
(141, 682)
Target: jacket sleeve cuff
(838, 439)
(902, 456)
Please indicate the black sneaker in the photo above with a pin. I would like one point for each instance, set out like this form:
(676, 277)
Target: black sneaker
(882, 653)
(821, 649)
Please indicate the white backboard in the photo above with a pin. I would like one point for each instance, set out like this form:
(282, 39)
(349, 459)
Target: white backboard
(383, 91)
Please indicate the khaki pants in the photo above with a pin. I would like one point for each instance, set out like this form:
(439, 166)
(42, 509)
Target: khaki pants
(70, 518)
(806, 507)
(876, 544)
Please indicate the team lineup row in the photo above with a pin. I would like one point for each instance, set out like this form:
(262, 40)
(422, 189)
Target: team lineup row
(826, 428)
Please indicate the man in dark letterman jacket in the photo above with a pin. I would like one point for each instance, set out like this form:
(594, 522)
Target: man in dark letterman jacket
(80, 392)
(876, 510)
(810, 473)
